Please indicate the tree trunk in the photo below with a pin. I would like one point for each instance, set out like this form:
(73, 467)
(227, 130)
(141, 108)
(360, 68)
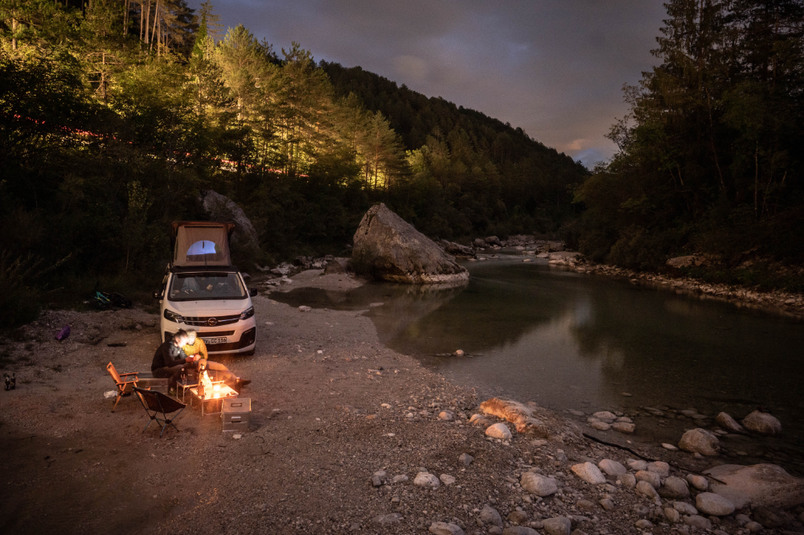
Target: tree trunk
(153, 30)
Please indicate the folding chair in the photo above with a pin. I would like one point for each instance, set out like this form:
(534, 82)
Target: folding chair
(158, 405)
(124, 382)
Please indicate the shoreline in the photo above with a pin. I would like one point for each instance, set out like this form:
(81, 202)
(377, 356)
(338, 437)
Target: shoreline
(776, 302)
(341, 428)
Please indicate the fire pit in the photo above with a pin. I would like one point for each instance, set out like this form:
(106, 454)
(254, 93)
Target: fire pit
(212, 393)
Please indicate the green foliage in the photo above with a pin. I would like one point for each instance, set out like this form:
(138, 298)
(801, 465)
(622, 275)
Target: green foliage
(710, 157)
(114, 121)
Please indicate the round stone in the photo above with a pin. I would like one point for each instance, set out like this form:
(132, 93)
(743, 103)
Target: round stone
(589, 473)
(499, 430)
(713, 504)
(538, 484)
(763, 423)
(612, 468)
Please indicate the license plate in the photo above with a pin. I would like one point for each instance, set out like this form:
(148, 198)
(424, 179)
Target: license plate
(215, 341)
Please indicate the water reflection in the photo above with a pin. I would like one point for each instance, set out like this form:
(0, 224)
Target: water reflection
(567, 340)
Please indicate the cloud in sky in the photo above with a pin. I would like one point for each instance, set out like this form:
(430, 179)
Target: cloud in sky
(555, 68)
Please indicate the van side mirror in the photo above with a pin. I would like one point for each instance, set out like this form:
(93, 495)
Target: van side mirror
(253, 292)
(157, 295)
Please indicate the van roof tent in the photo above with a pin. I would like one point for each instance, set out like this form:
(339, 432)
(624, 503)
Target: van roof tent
(201, 243)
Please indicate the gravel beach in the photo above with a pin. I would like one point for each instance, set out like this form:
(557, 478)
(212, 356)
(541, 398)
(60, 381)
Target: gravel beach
(345, 436)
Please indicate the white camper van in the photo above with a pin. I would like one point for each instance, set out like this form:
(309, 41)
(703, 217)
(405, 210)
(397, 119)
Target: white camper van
(202, 290)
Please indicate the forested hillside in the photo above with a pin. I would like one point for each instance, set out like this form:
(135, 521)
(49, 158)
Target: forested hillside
(116, 114)
(711, 155)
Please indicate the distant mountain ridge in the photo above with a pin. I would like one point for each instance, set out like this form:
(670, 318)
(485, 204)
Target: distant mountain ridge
(414, 115)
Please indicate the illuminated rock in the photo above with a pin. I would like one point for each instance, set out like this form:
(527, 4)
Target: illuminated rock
(388, 248)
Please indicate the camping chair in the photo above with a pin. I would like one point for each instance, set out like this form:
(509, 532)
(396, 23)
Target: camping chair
(124, 381)
(156, 403)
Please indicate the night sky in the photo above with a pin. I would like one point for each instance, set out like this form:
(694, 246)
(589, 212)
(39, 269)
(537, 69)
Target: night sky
(555, 68)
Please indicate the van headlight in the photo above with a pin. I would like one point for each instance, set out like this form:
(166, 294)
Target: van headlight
(172, 316)
(247, 313)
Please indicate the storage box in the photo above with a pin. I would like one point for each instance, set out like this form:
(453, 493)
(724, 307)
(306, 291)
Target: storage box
(235, 414)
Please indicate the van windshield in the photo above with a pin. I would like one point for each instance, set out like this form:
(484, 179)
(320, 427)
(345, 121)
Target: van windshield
(199, 286)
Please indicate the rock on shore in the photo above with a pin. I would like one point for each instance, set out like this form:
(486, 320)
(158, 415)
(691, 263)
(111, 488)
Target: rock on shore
(388, 248)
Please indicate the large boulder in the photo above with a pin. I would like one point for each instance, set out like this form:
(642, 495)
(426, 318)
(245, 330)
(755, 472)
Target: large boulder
(758, 485)
(389, 248)
(222, 208)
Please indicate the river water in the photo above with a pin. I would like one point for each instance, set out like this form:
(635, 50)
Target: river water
(566, 340)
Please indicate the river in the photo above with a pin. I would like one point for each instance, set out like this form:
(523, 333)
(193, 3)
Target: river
(571, 341)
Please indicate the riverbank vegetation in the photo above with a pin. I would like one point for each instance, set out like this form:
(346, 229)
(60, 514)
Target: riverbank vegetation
(710, 158)
(116, 114)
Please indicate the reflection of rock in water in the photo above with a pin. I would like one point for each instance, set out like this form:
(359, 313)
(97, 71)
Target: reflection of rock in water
(410, 304)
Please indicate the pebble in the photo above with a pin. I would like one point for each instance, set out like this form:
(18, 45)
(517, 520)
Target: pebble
(447, 479)
(659, 467)
(426, 479)
(499, 430)
(489, 515)
(699, 482)
(612, 468)
(728, 423)
(672, 515)
(400, 478)
(685, 508)
(623, 427)
(713, 504)
(466, 459)
(538, 484)
(674, 487)
(651, 477)
(607, 504)
(700, 441)
(698, 521)
(589, 473)
(670, 447)
(646, 489)
(517, 516)
(599, 425)
(635, 464)
(627, 480)
(304, 308)
(754, 527)
(763, 423)
(446, 415)
(644, 523)
(445, 528)
(559, 525)
(606, 416)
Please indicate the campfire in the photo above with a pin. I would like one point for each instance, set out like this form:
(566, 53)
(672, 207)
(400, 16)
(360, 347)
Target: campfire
(206, 388)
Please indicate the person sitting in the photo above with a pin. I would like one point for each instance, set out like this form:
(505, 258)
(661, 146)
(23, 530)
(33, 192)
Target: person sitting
(170, 360)
(197, 348)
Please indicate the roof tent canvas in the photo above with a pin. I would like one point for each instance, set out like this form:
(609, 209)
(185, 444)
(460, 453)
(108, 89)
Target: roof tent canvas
(201, 243)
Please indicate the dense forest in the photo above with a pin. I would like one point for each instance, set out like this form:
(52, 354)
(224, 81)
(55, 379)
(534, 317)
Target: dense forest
(711, 154)
(116, 114)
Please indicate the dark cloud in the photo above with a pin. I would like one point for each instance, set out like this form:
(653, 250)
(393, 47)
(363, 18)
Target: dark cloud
(552, 67)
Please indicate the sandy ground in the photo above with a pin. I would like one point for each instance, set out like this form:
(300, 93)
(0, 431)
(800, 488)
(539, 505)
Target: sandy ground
(330, 408)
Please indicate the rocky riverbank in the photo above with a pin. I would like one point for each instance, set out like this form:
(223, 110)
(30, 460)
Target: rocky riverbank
(786, 303)
(345, 436)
